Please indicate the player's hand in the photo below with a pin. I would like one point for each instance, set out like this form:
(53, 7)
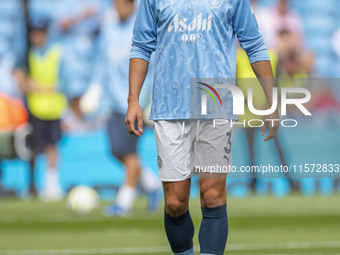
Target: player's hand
(134, 113)
(88, 13)
(271, 122)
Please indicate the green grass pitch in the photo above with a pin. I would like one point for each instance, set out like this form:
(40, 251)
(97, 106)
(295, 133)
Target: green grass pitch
(257, 225)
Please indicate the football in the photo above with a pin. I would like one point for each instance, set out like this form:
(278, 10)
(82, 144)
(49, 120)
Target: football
(83, 200)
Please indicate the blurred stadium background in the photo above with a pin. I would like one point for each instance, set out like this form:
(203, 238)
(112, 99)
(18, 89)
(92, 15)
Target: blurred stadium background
(271, 217)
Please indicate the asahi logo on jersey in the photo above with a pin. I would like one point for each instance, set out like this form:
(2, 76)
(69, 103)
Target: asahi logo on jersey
(196, 24)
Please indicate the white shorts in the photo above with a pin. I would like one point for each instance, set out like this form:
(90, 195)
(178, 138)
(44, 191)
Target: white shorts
(188, 147)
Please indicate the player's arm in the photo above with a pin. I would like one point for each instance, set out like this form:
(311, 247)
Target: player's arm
(68, 23)
(143, 44)
(251, 40)
(264, 73)
(137, 73)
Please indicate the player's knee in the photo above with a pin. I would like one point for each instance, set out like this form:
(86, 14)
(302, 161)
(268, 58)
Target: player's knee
(212, 198)
(176, 207)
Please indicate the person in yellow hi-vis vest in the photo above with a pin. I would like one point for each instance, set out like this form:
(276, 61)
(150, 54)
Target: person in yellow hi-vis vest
(247, 79)
(46, 104)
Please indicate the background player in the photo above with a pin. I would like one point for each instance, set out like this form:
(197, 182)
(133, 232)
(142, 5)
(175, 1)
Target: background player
(45, 102)
(112, 73)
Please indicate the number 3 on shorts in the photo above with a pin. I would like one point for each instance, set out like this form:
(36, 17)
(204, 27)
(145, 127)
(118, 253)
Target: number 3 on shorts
(227, 149)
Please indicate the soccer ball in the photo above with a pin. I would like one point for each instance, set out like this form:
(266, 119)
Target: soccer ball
(83, 200)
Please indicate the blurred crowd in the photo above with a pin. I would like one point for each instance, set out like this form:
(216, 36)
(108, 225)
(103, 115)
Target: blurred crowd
(76, 26)
(69, 29)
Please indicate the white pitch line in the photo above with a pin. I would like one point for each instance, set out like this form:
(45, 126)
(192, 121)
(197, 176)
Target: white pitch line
(306, 253)
(166, 249)
(102, 251)
(289, 245)
(12, 219)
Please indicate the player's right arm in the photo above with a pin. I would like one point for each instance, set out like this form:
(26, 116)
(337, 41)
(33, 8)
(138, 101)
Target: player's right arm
(143, 44)
(137, 73)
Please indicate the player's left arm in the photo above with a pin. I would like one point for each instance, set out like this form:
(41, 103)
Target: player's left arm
(251, 40)
(264, 73)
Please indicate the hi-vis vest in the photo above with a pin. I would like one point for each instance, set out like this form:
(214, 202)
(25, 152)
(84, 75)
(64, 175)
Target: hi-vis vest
(247, 79)
(44, 71)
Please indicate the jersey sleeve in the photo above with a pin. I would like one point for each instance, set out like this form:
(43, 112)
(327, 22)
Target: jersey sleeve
(247, 32)
(145, 31)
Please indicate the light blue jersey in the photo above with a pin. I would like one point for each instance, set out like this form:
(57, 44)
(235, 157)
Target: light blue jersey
(192, 39)
(112, 67)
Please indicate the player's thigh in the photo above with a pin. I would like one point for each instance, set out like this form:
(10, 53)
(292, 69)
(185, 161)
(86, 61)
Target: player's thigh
(45, 133)
(53, 131)
(121, 141)
(173, 150)
(213, 149)
(213, 154)
(176, 196)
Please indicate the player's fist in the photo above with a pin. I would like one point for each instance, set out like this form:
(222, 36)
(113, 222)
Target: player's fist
(134, 113)
(271, 122)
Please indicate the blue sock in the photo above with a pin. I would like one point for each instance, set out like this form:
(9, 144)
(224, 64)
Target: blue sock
(213, 232)
(180, 231)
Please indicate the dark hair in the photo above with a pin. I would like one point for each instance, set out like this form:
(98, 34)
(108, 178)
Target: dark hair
(41, 24)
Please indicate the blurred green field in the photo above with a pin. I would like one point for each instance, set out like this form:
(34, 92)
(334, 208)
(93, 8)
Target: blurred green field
(257, 225)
